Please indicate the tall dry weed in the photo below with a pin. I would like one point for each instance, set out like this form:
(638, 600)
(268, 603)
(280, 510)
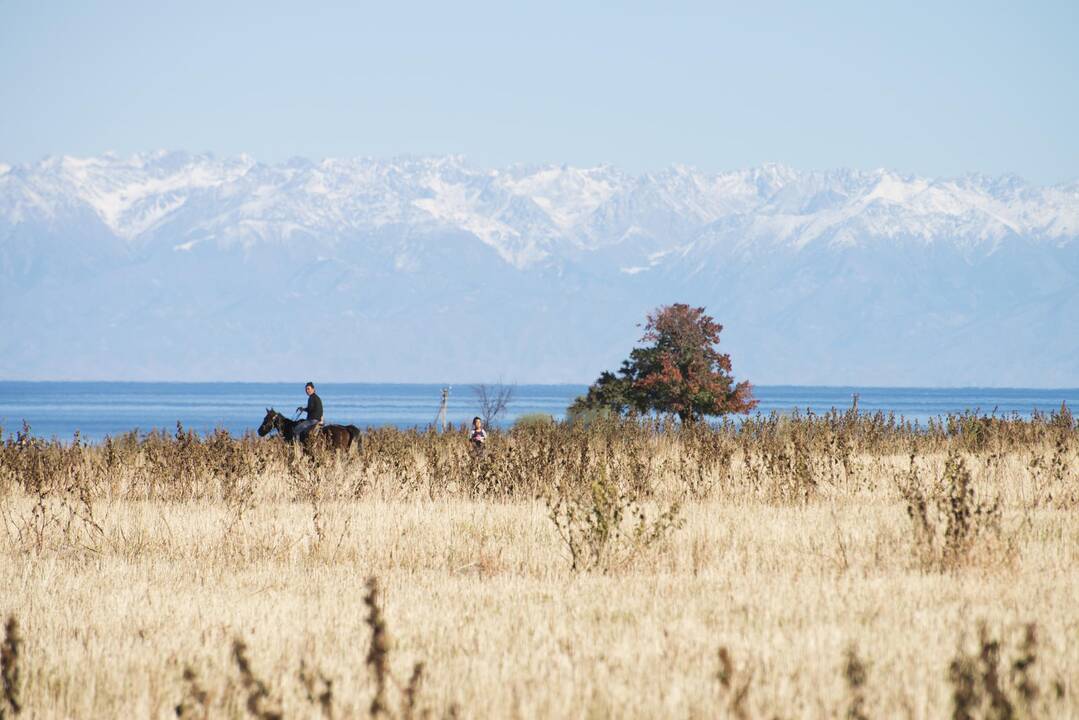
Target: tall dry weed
(951, 527)
(605, 526)
(408, 704)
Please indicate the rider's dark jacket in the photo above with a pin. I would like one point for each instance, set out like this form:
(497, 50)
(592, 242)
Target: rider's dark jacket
(314, 407)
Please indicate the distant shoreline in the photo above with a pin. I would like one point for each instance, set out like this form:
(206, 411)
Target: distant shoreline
(101, 408)
(470, 384)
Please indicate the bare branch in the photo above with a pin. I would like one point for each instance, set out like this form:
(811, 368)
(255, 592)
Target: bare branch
(493, 400)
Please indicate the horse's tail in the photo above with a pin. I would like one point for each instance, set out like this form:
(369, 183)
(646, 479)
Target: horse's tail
(353, 435)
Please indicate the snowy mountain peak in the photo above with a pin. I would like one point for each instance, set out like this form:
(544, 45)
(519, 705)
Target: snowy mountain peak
(532, 214)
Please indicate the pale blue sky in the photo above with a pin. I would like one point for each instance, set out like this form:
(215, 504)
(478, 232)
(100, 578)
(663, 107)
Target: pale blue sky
(934, 88)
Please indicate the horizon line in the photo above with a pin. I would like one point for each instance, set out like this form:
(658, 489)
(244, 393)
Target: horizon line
(524, 384)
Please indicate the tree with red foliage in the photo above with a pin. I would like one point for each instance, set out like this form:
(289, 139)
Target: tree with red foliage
(680, 372)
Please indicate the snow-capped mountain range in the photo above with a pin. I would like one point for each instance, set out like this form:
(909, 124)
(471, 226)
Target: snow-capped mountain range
(180, 266)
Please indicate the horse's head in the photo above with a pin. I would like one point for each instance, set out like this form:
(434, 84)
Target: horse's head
(269, 422)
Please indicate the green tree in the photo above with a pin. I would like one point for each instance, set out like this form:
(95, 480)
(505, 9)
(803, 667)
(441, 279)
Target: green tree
(609, 392)
(680, 371)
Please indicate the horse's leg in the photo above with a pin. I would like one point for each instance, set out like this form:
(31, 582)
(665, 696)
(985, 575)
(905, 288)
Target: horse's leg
(340, 439)
(351, 435)
(308, 445)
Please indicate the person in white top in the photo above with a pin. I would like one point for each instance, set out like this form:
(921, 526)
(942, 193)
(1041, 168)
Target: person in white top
(478, 436)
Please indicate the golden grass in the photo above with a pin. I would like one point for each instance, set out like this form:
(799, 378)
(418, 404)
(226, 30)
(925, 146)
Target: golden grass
(761, 604)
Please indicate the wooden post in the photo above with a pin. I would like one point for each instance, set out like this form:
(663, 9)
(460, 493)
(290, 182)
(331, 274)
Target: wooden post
(442, 409)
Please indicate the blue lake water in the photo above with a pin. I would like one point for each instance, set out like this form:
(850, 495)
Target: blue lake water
(97, 409)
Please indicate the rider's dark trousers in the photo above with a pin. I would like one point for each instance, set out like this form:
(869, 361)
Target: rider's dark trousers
(302, 428)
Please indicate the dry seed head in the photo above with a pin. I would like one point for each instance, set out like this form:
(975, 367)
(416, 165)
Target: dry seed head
(726, 668)
(412, 691)
(256, 689)
(378, 652)
(324, 697)
(856, 674)
(196, 701)
(9, 668)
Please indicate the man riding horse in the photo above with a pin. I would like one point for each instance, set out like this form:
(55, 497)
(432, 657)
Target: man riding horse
(313, 411)
(338, 437)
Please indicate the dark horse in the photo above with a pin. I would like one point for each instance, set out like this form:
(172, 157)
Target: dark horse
(338, 437)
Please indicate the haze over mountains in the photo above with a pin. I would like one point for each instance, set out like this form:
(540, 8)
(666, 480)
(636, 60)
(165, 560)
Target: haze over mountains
(172, 266)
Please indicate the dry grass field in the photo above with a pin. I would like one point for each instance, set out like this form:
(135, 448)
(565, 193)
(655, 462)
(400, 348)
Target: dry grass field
(844, 565)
